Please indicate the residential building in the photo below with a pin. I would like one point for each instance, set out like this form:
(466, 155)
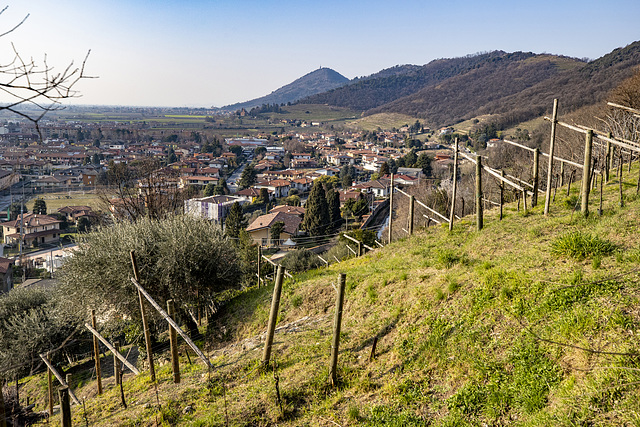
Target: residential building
(34, 229)
(214, 208)
(260, 228)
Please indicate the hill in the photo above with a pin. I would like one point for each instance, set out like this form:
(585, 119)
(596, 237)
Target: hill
(514, 87)
(497, 327)
(317, 81)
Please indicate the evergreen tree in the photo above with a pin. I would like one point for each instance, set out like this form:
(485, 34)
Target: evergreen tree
(235, 221)
(16, 209)
(221, 188)
(333, 204)
(347, 180)
(264, 196)
(384, 169)
(316, 217)
(276, 229)
(248, 177)
(209, 190)
(172, 158)
(424, 162)
(40, 207)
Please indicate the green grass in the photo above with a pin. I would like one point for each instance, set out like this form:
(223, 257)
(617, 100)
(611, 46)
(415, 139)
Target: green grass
(473, 328)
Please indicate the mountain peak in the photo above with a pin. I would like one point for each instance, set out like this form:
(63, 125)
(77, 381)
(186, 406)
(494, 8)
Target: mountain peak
(317, 81)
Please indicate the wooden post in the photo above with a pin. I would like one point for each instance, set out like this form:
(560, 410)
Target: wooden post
(59, 377)
(273, 316)
(612, 157)
(586, 173)
(50, 384)
(412, 201)
(337, 323)
(65, 406)
(173, 341)
(96, 353)
(561, 173)
(570, 181)
(536, 166)
(638, 184)
(524, 200)
(145, 324)
(620, 179)
(3, 413)
(391, 210)
(501, 194)
(601, 189)
(607, 160)
(116, 363)
(360, 249)
(554, 120)
(259, 260)
(462, 200)
(373, 349)
(479, 213)
(112, 349)
(452, 215)
(630, 158)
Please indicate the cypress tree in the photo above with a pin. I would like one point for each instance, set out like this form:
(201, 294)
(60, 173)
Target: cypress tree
(316, 217)
(333, 203)
(234, 221)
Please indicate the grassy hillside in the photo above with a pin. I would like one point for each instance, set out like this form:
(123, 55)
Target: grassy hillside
(511, 325)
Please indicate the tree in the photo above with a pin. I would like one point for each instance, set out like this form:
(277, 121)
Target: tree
(15, 209)
(221, 188)
(40, 206)
(84, 225)
(347, 181)
(384, 169)
(26, 83)
(182, 257)
(264, 196)
(276, 230)
(424, 163)
(333, 204)
(316, 217)
(209, 190)
(235, 221)
(95, 159)
(171, 157)
(248, 177)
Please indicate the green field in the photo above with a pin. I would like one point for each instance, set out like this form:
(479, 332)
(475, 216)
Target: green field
(56, 201)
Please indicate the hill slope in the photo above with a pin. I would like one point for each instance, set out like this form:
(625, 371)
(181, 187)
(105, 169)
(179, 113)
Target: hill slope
(317, 81)
(472, 328)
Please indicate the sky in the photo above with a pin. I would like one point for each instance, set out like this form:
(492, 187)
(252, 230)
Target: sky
(205, 53)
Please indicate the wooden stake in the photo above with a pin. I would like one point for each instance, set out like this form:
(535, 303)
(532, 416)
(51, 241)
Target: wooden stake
(391, 210)
(50, 384)
(501, 194)
(607, 158)
(479, 213)
(412, 201)
(3, 413)
(373, 349)
(554, 121)
(561, 173)
(65, 406)
(337, 323)
(586, 173)
(173, 341)
(570, 181)
(59, 377)
(601, 190)
(96, 353)
(116, 363)
(524, 200)
(536, 166)
(145, 324)
(273, 316)
(452, 215)
(112, 349)
(259, 261)
(620, 180)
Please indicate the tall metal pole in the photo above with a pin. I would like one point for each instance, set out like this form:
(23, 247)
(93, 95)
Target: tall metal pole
(554, 121)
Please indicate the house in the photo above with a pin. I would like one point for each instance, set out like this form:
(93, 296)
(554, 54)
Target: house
(197, 181)
(260, 228)
(74, 213)
(214, 208)
(277, 187)
(303, 185)
(250, 194)
(379, 188)
(34, 229)
(294, 210)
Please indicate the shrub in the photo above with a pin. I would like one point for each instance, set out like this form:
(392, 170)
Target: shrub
(301, 260)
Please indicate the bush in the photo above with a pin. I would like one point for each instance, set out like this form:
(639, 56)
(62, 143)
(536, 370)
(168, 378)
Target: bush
(301, 260)
(579, 245)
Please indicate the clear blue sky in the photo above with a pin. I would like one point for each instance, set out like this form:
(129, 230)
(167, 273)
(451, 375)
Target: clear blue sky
(215, 52)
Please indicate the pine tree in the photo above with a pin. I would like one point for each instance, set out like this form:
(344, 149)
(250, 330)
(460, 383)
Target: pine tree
(333, 203)
(316, 217)
(248, 177)
(234, 222)
(40, 207)
(209, 190)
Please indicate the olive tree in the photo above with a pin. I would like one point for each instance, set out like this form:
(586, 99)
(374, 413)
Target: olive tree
(182, 258)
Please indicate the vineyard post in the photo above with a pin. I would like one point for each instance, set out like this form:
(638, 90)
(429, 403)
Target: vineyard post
(259, 260)
(452, 215)
(607, 159)
(479, 219)
(116, 363)
(536, 167)
(412, 201)
(391, 210)
(554, 121)
(65, 406)
(586, 173)
(50, 384)
(337, 323)
(273, 316)
(561, 173)
(501, 194)
(145, 324)
(173, 341)
(96, 353)
(620, 179)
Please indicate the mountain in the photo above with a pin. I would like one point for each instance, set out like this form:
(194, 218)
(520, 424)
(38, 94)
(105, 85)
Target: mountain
(318, 81)
(514, 86)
